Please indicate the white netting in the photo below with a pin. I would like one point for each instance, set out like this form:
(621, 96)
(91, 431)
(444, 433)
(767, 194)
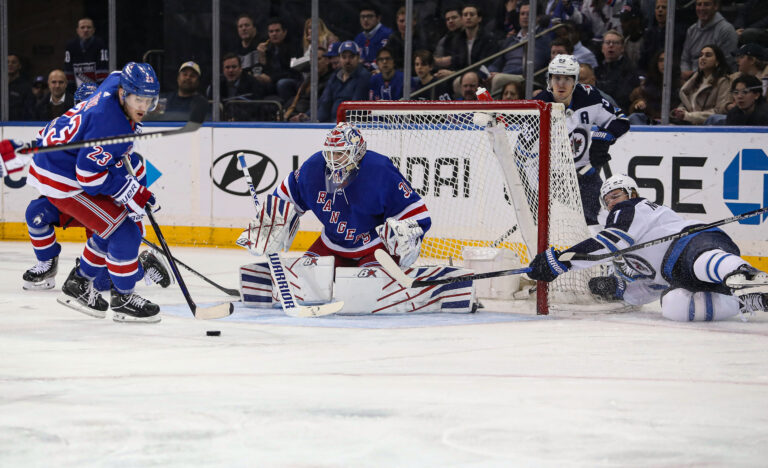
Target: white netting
(477, 171)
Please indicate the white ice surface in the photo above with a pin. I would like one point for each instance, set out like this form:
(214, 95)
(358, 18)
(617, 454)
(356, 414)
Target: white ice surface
(596, 390)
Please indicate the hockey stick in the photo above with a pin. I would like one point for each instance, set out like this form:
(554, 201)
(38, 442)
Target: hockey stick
(506, 234)
(393, 269)
(568, 256)
(288, 301)
(196, 117)
(231, 292)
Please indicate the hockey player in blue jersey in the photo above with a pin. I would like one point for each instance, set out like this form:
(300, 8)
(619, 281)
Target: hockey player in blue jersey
(363, 203)
(584, 107)
(92, 186)
(699, 277)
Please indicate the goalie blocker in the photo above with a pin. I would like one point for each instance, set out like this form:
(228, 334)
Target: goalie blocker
(364, 290)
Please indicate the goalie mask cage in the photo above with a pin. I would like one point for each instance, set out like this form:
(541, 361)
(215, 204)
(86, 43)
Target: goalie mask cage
(482, 169)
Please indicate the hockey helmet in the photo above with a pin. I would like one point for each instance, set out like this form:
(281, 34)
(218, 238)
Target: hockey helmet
(85, 90)
(343, 150)
(140, 79)
(563, 65)
(619, 181)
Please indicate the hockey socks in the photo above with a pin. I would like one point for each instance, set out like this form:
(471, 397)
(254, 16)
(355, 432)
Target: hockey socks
(713, 266)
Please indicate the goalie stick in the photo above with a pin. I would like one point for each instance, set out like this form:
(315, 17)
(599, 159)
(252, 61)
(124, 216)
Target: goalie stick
(391, 267)
(196, 117)
(568, 256)
(202, 313)
(288, 301)
(231, 292)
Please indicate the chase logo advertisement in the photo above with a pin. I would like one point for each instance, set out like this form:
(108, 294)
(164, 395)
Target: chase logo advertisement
(228, 177)
(745, 184)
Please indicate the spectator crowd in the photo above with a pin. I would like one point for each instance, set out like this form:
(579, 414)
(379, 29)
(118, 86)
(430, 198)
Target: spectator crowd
(719, 67)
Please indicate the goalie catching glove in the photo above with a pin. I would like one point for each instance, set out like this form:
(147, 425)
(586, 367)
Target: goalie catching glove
(402, 239)
(546, 266)
(10, 161)
(273, 229)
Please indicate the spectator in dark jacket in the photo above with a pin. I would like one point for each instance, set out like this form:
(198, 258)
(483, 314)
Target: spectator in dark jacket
(750, 108)
(482, 43)
(350, 83)
(275, 54)
(615, 76)
(237, 87)
(21, 100)
(57, 100)
(396, 41)
(87, 57)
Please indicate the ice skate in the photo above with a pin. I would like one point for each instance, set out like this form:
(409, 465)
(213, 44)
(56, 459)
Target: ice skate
(753, 302)
(746, 279)
(154, 270)
(79, 294)
(133, 308)
(42, 275)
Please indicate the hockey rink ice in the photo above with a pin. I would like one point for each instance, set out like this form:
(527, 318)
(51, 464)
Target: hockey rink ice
(500, 388)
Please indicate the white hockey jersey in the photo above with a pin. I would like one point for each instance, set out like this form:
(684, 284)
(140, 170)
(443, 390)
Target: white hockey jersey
(588, 108)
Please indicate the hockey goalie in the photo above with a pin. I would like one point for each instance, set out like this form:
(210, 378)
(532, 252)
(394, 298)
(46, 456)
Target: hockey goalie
(363, 204)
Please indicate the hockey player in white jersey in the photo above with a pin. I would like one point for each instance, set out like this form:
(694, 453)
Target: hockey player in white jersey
(584, 107)
(364, 204)
(699, 277)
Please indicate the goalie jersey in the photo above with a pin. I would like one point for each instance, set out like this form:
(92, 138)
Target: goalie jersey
(95, 170)
(588, 108)
(350, 216)
(633, 221)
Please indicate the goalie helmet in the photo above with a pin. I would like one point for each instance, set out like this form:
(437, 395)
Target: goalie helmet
(140, 79)
(343, 150)
(619, 181)
(563, 65)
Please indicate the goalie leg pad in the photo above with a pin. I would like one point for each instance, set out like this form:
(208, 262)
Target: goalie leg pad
(683, 305)
(372, 291)
(310, 279)
(256, 285)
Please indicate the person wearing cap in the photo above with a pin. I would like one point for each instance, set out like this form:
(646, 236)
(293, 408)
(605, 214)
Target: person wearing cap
(750, 107)
(751, 60)
(349, 83)
(178, 103)
(333, 56)
(374, 35)
(39, 87)
(632, 27)
(711, 28)
(57, 100)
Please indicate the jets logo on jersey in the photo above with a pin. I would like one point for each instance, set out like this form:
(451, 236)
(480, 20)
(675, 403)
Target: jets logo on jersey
(633, 267)
(579, 143)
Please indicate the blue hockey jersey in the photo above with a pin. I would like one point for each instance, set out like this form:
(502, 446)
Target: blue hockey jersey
(350, 217)
(95, 170)
(588, 108)
(387, 90)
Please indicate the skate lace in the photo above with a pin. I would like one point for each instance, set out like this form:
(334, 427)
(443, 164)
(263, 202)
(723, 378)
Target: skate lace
(154, 275)
(136, 300)
(93, 294)
(42, 266)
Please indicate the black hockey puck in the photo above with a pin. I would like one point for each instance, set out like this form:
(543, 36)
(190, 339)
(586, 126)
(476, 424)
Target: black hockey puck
(213, 333)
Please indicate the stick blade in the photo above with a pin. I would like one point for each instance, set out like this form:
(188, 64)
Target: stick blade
(314, 311)
(214, 312)
(392, 268)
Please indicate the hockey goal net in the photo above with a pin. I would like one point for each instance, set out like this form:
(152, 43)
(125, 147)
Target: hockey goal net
(494, 175)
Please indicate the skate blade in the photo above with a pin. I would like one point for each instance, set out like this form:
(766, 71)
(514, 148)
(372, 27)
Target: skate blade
(125, 318)
(49, 283)
(214, 312)
(72, 303)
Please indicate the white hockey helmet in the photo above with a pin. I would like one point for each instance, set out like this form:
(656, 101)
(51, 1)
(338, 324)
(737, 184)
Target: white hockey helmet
(619, 181)
(563, 65)
(343, 150)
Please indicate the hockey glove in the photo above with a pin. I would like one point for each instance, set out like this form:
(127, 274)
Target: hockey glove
(546, 267)
(10, 161)
(273, 229)
(608, 288)
(402, 239)
(598, 149)
(134, 196)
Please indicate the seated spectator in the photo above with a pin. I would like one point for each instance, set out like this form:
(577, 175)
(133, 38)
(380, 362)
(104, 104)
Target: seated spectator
(299, 108)
(563, 10)
(587, 77)
(506, 21)
(751, 23)
(615, 75)
(710, 28)
(707, 92)
(751, 108)
(324, 35)
(333, 56)
(583, 55)
(21, 100)
(513, 91)
(470, 81)
(57, 100)
(423, 62)
(350, 83)
(396, 41)
(645, 107)
(472, 44)
(175, 105)
(751, 60)
(633, 26)
(387, 85)
(275, 55)
(602, 16)
(560, 46)
(246, 46)
(237, 87)
(454, 24)
(86, 58)
(39, 89)
(373, 36)
(655, 36)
